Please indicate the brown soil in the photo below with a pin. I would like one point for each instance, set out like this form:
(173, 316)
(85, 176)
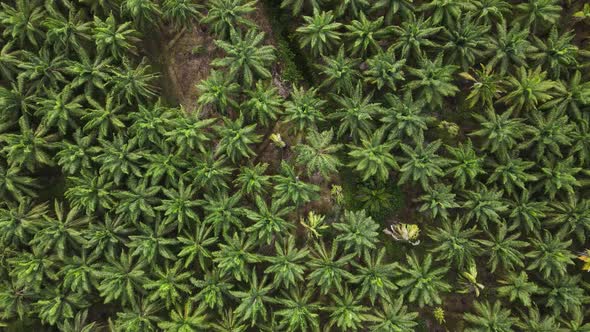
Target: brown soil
(186, 60)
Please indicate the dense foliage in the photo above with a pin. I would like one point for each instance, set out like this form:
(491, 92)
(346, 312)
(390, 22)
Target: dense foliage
(296, 202)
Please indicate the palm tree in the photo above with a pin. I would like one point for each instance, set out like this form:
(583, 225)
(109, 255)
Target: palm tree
(490, 318)
(122, 279)
(466, 164)
(264, 104)
(90, 191)
(23, 22)
(341, 72)
(576, 323)
(570, 96)
(356, 113)
(414, 35)
(90, 72)
(289, 188)
(119, 159)
(550, 254)
(213, 288)
(384, 69)
(104, 118)
(31, 269)
(169, 285)
(572, 215)
(420, 282)
(186, 319)
(143, 12)
(565, 295)
(509, 48)
(43, 70)
(422, 164)
(138, 201)
(560, 176)
(504, 249)
(433, 80)
(318, 154)
(79, 273)
(235, 139)
(299, 5)
(375, 198)
(219, 90)
(529, 88)
(188, 132)
(149, 124)
(405, 117)
(194, 246)
(165, 168)
(357, 231)
(392, 7)
(320, 32)
(512, 174)
(455, 243)
(67, 33)
(353, 7)
(223, 212)
(112, 38)
(181, 13)
(366, 35)
(152, 242)
(286, 265)
(394, 317)
(14, 184)
(78, 323)
(501, 132)
(143, 317)
(534, 322)
(445, 12)
(347, 312)
(268, 220)
(527, 213)
(178, 205)
(19, 100)
(487, 87)
(557, 53)
(303, 111)
(58, 305)
(226, 15)
(375, 277)
(252, 301)
(490, 11)
(550, 133)
(210, 174)
(437, 201)
(19, 221)
(298, 312)
(107, 235)
(228, 323)
(252, 181)
(59, 234)
(373, 158)
(245, 57)
(234, 256)
(327, 269)
(485, 205)
(537, 13)
(134, 82)
(465, 40)
(518, 287)
(28, 148)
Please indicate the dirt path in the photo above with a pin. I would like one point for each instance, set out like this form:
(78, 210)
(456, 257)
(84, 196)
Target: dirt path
(184, 59)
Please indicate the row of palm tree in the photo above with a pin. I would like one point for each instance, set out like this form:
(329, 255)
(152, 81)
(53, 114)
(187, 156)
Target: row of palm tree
(122, 211)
